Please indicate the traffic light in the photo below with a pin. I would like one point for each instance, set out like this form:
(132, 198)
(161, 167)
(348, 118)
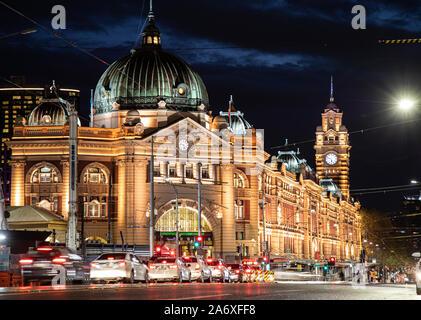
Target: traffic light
(332, 261)
(264, 260)
(325, 269)
(198, 242)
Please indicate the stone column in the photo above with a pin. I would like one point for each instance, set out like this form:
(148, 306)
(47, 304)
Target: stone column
(121, 201)
(228, 221)
(17, 194)
(254, 212)
(141, 192)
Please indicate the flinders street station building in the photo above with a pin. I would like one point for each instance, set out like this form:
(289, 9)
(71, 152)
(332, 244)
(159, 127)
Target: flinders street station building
(151, 105)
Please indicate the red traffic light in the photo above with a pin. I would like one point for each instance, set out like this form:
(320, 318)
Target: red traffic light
(332, 259)
(172, 253)
(265, 259)
(199, 238)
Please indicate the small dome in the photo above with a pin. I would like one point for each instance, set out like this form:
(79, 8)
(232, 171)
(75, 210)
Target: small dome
(48, 113)
(239, 125)
(294, 164)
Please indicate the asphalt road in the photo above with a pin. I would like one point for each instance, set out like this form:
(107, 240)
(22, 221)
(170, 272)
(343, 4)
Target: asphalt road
(216, 291)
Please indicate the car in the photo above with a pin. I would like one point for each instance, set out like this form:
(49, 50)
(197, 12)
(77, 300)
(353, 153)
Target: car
(418, 272)
(219, 270)
(236, 272)
(118, 266)
(200, 271)
(168, 269)
(39, 265)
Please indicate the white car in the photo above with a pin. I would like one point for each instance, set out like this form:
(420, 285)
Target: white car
(219, 270)
(198, 268)
(118, 266)
(168, 269)
(418, 272)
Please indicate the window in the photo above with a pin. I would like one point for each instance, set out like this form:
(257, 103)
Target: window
(96, 207)
(238, 181)
(156, 170)
(44, 175)
(172, 172)
(205, 172)
(189, 172)
(239, 235)
(238, 209)
(94, 175)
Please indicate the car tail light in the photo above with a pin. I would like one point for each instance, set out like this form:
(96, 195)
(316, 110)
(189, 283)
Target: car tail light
(237, 271)
(59, 260)
(94, 264)
(122, 264)
(44, 249)
(110, 258)
(152, 266)
(173, 266)
(209, 260)
(26, 261)
(197, 266)
(164, 262)
(229, 268)
(248, 270)
(220, 267)
(172, 253)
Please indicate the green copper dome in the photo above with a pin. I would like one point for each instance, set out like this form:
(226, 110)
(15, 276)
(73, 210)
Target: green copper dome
(148, 75)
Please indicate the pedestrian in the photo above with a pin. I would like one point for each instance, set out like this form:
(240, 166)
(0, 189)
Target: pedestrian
(342, 276)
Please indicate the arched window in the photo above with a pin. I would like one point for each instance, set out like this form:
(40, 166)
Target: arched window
(238, 181)
(187, 218)
(94, 175)
(44, 174)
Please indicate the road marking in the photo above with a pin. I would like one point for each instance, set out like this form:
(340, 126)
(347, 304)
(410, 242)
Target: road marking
(201, 297)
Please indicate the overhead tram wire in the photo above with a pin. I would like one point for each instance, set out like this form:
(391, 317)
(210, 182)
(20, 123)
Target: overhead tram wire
(73, 44)
(352, 132)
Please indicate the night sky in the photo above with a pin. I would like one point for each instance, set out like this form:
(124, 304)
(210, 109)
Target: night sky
(276, 61)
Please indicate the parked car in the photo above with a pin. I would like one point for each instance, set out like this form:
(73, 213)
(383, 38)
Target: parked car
(39, 265)
(219, 270)
(199, 269)
(168, 269)
(118, 266)
(236, 272)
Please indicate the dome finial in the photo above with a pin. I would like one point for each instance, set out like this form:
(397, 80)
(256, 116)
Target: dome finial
(331, 89)
(151, 34)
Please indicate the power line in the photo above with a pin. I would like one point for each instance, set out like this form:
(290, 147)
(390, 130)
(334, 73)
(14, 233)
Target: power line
(73, 44)
(352, 132)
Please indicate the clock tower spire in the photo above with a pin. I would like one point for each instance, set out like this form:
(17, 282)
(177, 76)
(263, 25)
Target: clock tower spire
(332, 147)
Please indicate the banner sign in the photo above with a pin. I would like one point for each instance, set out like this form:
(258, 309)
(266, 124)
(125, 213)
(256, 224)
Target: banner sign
(4, 258)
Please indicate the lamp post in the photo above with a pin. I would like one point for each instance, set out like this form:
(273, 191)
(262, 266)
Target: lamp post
(176, 219)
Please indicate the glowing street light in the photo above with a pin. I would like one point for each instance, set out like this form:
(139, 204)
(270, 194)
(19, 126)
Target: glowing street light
(406, 104)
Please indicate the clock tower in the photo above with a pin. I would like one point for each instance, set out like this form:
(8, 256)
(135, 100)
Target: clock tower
(332, 147)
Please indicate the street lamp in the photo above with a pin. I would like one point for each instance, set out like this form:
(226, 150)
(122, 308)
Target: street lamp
(405, 104)
(176, 216)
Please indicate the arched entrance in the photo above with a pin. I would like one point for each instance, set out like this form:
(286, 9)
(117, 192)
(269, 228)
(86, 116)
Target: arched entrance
(165, 230)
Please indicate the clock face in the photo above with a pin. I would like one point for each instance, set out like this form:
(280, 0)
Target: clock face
(183, 144)
(331, 158)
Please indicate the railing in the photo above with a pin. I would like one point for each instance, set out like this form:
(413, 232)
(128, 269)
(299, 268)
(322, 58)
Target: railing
(63, 131)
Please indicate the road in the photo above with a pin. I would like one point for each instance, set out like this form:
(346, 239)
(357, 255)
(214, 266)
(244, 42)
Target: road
(215, 291)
